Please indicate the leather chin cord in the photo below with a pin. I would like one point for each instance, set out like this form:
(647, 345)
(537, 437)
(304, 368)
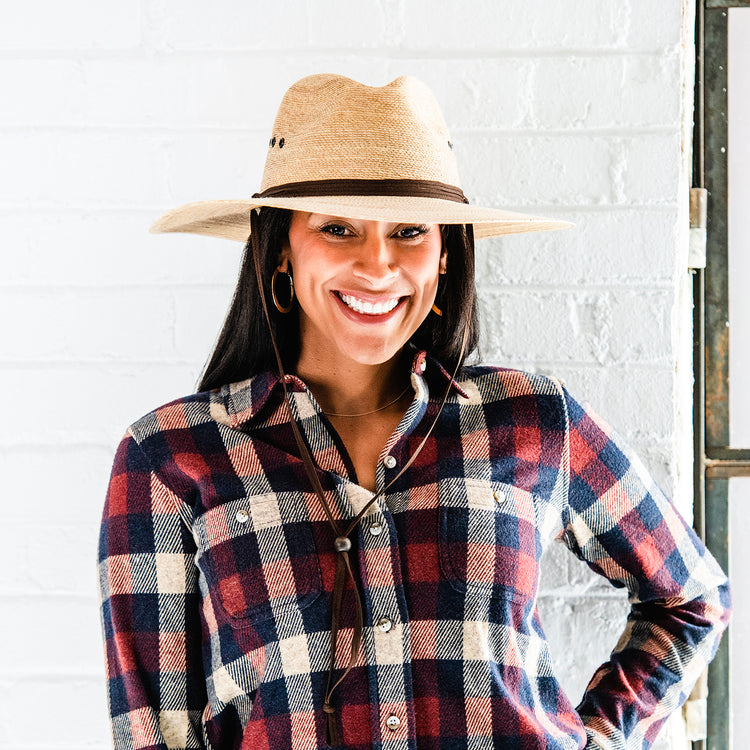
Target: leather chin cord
(342, 543)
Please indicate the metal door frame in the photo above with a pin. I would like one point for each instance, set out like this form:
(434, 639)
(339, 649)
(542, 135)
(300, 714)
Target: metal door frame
(715, 460)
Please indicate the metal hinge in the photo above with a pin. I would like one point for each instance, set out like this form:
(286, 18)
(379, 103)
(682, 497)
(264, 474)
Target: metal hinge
(698, 220)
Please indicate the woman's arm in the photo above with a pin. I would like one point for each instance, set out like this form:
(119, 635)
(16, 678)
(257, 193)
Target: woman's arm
(625, 529)
(150, 611)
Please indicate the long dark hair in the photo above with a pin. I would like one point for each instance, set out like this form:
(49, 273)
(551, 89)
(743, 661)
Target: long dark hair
(244, 345)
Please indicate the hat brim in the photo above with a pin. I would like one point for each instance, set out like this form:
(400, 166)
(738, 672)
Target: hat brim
(230, 219)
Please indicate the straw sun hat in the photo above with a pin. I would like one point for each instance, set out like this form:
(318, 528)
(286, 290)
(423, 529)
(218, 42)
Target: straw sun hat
(341, 148)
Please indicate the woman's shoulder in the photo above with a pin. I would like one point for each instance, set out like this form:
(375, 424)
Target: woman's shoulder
(184, 413)
(199, 414)
(490, 383)
(511, 397)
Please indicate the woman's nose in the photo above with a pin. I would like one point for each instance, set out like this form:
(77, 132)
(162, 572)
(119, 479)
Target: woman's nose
(376, 260)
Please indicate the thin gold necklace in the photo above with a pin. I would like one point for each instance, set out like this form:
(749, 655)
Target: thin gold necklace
(365, 413)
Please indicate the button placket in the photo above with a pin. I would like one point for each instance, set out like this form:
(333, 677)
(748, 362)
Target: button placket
(386, 640)
(387, 644)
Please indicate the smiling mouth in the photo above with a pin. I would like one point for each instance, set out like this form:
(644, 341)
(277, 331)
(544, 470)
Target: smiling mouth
(368, 308)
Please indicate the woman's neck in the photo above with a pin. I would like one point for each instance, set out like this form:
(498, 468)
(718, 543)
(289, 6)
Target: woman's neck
(354, 388)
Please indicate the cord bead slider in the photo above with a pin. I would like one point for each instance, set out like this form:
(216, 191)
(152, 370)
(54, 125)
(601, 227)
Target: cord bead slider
(342, 544)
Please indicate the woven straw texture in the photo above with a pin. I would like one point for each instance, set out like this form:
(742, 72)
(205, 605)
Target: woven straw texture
(336, 128)
(329, 127)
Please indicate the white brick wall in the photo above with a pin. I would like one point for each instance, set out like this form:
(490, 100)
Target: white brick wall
(115, 111)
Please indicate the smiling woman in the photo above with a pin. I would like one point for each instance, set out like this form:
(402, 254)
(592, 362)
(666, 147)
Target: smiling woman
(336, 541)
(244, 346)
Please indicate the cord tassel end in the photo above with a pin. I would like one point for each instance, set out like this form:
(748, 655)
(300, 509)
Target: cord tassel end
(332, 735)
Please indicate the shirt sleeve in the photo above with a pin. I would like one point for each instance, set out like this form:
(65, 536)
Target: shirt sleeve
(150, 611)
(625, 529)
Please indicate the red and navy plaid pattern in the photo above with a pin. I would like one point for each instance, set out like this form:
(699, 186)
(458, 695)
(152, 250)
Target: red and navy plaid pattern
(217, 569)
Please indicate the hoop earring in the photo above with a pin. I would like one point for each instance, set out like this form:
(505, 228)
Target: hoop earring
(439, 292)
(276, 302)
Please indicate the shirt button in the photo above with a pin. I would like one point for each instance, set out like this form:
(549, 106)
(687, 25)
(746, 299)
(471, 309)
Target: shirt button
(390, 462)
(242, 516)
(376, 529)
(385, 624)
(500, 497)
(393, 723)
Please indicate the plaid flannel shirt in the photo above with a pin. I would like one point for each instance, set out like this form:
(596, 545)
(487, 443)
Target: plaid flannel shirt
(217, 567)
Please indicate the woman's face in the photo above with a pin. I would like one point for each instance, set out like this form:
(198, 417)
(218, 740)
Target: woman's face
(363, 287)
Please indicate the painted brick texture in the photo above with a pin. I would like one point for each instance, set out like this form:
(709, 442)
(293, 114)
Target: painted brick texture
(115, 111)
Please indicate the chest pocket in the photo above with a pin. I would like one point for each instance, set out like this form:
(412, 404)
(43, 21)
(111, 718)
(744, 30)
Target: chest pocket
(258, 555)
(488, 539)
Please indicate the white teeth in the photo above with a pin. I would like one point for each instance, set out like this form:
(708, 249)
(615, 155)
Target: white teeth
(368, 308)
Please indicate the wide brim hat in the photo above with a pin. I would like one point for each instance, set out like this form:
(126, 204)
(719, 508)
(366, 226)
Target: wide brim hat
(341, 148)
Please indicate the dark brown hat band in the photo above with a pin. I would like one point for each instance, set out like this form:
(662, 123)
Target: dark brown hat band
(396, 188)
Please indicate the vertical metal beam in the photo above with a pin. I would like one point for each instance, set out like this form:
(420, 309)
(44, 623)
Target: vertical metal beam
(717, 341)
(699, 98)
(715, 160)
(719, 692)
(699, 296)
(700, 691)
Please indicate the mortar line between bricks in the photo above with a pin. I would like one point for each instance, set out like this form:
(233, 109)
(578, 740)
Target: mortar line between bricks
(54, 677)
(516, 288)
(159, 287)
(22, 447)
(374, 54)
(58, 745)
(68, 447)
(57, 595)
(615, 132)
(162, 130)
(574, 593)
(116, 364)
(546, 366)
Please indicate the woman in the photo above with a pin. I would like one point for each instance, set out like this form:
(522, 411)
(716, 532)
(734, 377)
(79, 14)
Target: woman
(336, 541)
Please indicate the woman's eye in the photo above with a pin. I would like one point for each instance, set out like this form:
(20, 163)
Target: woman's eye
(408, 233)
(337, 230)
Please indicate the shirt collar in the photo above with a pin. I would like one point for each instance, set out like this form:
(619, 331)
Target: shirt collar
(245, 399)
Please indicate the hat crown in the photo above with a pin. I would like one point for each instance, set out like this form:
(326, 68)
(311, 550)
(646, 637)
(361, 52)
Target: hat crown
(342, 148)
(330, 127)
